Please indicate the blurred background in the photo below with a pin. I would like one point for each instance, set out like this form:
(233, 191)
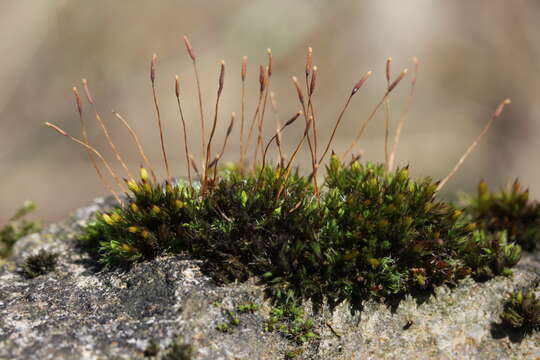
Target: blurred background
(472, 55)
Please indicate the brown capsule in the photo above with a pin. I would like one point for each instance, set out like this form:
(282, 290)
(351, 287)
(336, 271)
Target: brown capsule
(293, 119)
(262, 78)
(153, 68)
(397, 81)
(189, 48)
(87, 91)
(388, 70)
(177, 86)
(221, 76)
(269, 69)
(244, 68)
(298, 90)
(309, 61)
(77, 99)
(313, 81)
(361, 82)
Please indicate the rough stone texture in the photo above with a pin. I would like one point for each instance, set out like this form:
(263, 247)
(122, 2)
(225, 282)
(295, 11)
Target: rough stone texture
(78, 312)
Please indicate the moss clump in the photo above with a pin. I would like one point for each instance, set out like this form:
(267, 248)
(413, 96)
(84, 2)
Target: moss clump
(177, 350)
(373, 234)
(509, 210)
(39, 264)
(386, 234)
(522, 311)
(16, 228)
(233, 321)
(289, 321)
(152, 349)
(490, 254)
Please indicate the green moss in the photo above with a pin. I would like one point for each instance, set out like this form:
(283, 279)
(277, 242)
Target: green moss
(374, 234)
(247, 308)
(509, 210)
(39, 264)
(178, 350)
(16, 228)
(522, 311)
(233, 321)
(289, 321)
(490, 254)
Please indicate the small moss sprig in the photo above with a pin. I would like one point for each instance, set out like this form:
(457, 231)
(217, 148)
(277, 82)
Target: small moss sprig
(490, 254)
(289, 321)
(178, 350)
(509, 210)
(522, 311)
(17, 227)
(39, 264)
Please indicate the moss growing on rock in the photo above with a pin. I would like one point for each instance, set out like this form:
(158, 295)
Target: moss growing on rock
(16, 228)
(373, 234)
(178, 350)
(39, 264)
(490, 254)
(522, 311)
(508, 210)
(368, 230)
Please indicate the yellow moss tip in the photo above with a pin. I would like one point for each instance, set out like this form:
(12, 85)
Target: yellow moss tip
(126, 248)
(132, 185)
(144, 174)
(107, 219)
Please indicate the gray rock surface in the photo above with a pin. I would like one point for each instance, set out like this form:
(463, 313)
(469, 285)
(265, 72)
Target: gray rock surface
(77, 312)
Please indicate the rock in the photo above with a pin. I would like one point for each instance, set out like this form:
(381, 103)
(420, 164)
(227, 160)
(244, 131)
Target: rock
(78, 312)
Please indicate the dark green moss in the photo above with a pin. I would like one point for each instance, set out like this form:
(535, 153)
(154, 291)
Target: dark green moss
(152, 349)
(39, 264)
(178, 350)
(386, 234)
(373, 233)
(522, 311)
(16, 228)
(490, 254)
(509, 210)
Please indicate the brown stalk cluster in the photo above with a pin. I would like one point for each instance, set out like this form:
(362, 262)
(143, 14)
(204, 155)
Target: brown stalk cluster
(256, 126)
